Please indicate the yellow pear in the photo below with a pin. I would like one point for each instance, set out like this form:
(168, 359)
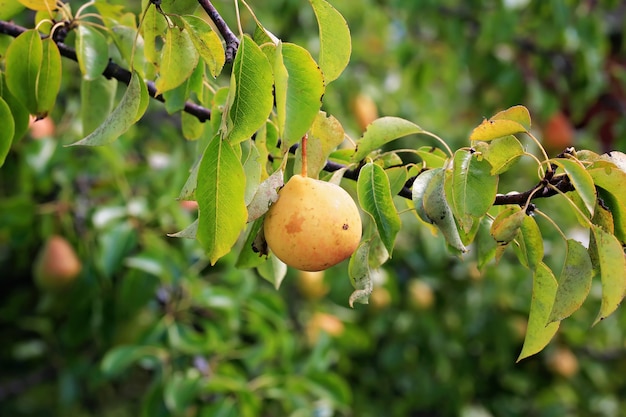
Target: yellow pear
(313, 225)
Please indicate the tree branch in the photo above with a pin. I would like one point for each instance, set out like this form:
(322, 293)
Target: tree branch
(111, 71)
(232, 42)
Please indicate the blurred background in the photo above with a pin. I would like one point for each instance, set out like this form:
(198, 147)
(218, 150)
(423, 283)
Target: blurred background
(148, 328)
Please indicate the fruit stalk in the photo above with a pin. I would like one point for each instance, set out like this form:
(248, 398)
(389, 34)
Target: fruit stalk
(304, 167)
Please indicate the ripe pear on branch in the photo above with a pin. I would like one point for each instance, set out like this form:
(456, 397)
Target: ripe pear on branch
(314, 224)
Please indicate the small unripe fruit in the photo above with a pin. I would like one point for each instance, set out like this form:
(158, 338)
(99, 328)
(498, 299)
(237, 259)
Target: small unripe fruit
(421, 294)
(563, 362)
(313, 225)
(323, 322)
(56, 265)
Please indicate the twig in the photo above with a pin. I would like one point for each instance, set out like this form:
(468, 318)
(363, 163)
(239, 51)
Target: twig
(232, 42)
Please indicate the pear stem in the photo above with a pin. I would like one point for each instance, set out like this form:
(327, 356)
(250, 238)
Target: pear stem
(304, 164)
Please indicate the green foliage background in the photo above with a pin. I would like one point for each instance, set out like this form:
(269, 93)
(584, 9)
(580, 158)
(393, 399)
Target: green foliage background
(151, 329)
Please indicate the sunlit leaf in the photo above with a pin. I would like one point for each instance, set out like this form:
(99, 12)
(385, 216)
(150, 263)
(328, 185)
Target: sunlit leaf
(376, 199)
(519, 114)
(501, 153)
(39, 4)
(472, 188)
(382, 131)
(92, 52)
(582, 181)
(438, 211)
(335, 44)
(539, 332)
(326, 134)
(609, 260)
(7, 131)
(179, 58)
(123, 116)
(433, 157)
(250, 97)
(507, 122)
(207, 43)
(152, 28)
(574, 282)
(360, 274)
(10, 8)
(220, 196)
(298, 91)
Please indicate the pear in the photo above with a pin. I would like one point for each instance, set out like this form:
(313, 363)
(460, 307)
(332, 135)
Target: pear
(313, 225)
(56, 265)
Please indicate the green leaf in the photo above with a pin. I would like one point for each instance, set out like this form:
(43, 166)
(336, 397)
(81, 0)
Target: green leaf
(176, 98)
(501, 153)
(507, 122)
(607, 256)
(299, 90)
(273, 271)
(582, 181)
(472, 187)
(382, 131)
(49, 78)
(539, 332)
(220, 195)
(8, 130)
(612, 180)
(250, 98)
(92, 52)
(252, 166)
(189, 232)
(130, 46)
(433, 157)
(485, 244)
(376, 199)
(438, 211)
(152, 28)
(180, 390)
(325, 135)
(23, 61)
(179, 58)
(97, 98)
(360, 274)
(118, 359)
(21, 117)
(128, 111)
(507, 224)
(419, 190)
(574, 282)
(266, 194)
(207, 43)
(335, 43)
(249, 257)
(9, 9)
(530, 243)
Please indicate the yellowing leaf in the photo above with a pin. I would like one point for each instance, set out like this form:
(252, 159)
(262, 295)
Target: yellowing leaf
(179, 58)
(517, 114)
(46, 5)
(494, 129)
(207, 43)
